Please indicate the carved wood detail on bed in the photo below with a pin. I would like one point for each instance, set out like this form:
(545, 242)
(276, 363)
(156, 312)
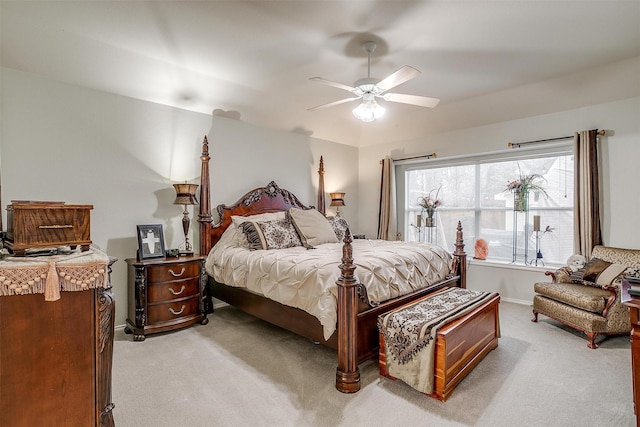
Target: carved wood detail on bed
(356, 336)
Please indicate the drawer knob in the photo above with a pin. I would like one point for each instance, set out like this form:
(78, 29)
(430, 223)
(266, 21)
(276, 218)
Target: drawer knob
(177, 292)
(174, 274)
(176, 313)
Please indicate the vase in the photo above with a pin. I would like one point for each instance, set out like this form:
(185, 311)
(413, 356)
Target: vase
(428, 220)
(520, 200)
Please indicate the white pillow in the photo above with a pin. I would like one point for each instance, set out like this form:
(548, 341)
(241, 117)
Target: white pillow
(269, 216)
(313, 228)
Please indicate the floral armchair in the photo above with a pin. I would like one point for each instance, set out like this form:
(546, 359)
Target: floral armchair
(589, 299)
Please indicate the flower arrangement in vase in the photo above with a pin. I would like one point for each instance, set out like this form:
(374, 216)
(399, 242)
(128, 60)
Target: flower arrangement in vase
(429, 203)
(521, 188)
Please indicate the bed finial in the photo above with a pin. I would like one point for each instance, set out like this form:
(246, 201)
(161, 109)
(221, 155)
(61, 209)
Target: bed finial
(321, 205)
(204, 217)
(347, 373)
(460, 257)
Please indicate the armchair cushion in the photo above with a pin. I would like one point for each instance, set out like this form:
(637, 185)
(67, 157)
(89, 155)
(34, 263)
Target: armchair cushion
(587, 298)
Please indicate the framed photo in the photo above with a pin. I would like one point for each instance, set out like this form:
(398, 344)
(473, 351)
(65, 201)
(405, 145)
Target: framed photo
(150, 241)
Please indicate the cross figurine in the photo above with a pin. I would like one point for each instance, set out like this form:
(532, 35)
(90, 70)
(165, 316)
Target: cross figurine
(151, 241)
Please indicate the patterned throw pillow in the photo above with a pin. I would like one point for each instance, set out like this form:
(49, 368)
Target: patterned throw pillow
(598, 273)
(339, 226)
(632, 272)
(253, 234)
(279, 234)
(588, 274)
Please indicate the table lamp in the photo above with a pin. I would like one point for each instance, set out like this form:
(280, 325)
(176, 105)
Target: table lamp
(186, 195)
(337, 200)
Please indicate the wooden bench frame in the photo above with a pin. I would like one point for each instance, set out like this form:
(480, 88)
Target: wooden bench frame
(460, 345)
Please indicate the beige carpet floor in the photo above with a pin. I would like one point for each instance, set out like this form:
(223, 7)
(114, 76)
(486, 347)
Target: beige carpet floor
(239, 371)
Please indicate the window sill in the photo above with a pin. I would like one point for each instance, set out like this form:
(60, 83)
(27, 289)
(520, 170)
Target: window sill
(514, 266)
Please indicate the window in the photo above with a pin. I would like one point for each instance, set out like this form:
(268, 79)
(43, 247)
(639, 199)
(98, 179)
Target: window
(474, 192)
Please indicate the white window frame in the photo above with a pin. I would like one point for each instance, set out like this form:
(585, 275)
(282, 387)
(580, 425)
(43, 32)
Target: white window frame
(515, 154)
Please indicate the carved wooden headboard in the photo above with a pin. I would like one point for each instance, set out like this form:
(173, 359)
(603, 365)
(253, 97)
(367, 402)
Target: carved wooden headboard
(270, 198)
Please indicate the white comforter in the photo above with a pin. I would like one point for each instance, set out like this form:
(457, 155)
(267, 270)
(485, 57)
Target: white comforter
(306, 278)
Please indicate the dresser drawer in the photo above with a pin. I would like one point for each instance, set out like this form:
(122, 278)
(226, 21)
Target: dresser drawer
(167, 291)
(165, 294)
(172, 272)
(173, 310)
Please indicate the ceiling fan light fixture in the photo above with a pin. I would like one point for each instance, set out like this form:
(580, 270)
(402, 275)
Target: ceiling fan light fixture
(367, 85)
(368, 88)
(369, 111)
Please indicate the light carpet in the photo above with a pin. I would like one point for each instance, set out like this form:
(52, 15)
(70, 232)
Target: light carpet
(240, 371)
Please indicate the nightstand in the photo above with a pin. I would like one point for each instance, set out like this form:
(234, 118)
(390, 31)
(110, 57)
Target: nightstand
(165, 294)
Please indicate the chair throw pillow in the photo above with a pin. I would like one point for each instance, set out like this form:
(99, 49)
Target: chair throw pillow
(313, 227)
(598, 273)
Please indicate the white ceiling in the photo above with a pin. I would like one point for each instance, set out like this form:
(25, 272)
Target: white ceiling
(253, 59)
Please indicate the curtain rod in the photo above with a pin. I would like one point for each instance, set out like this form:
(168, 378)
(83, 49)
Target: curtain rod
(560, 138)
(426, 156)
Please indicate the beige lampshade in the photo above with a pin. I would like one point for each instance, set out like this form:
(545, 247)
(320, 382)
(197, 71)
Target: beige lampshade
(185, 194)
(337, 199)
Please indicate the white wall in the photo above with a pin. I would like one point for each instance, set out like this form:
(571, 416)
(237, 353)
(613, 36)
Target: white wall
(121, 155)
(619, 149)
(244, 157)
(62, 142)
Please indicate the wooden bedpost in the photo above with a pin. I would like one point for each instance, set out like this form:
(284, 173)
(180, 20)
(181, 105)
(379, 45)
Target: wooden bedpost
(347, 373)
(204, 217)
(461, 256)
(321, 205)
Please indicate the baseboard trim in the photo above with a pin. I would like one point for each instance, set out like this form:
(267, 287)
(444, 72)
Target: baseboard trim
(515, 301)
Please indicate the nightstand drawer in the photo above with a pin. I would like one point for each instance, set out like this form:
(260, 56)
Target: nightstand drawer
(173, 310)
(172, 272)
(161, 292)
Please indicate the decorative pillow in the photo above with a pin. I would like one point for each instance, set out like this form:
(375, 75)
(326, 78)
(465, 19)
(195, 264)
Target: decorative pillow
(279, 234)
(597, 272)
(312, 226)
(339, 226)
(632, 272)
(254, 235)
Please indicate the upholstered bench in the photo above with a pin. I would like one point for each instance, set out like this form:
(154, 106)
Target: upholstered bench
(433, 343)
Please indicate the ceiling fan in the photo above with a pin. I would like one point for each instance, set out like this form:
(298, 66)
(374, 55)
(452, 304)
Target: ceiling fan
(368, 89)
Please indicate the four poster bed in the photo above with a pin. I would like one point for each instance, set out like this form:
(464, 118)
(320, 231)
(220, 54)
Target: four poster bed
(350, 294)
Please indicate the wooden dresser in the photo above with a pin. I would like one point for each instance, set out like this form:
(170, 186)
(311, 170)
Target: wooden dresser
(633, 302)
(56, 358)
(165, 294)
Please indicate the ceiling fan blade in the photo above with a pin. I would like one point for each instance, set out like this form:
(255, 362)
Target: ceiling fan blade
(404, 74)
(330, 83)
(422, 101)
(331, 104)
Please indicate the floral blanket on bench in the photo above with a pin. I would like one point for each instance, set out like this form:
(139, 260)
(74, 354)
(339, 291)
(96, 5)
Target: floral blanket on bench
(410, 333)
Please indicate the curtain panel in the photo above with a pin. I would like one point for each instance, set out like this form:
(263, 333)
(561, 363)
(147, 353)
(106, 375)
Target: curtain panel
(586, 204)
(387, 212)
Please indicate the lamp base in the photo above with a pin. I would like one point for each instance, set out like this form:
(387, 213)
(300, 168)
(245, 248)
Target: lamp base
(186, 253)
